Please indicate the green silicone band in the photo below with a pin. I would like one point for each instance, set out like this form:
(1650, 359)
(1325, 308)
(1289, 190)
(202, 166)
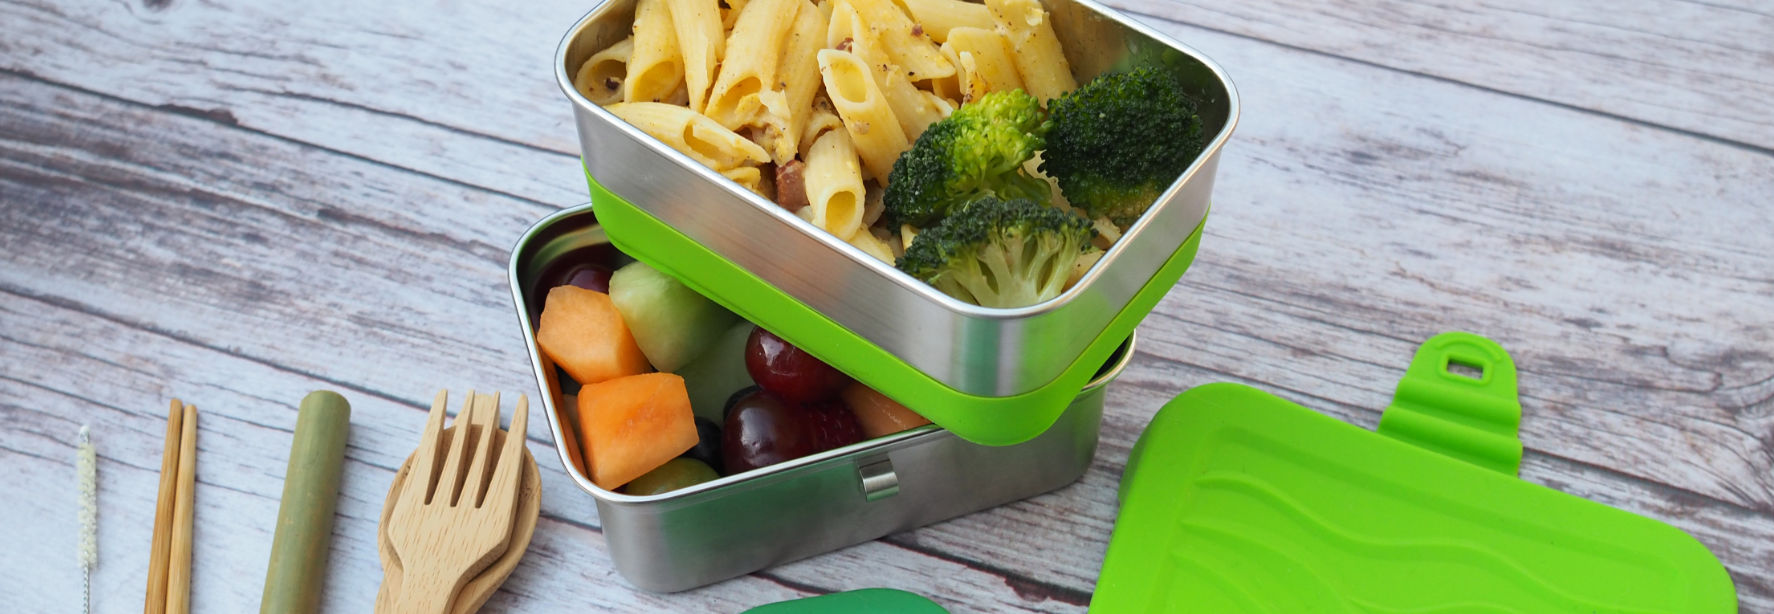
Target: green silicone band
(989, 420)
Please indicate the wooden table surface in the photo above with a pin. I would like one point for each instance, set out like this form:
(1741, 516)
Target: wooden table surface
(235, 203)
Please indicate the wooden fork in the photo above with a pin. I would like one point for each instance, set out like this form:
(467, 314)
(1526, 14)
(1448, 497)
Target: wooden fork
(450, 522)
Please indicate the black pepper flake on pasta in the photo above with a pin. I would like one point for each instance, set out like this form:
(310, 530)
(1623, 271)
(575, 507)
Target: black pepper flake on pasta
(845, 44)
(917, 29)
(611, 83)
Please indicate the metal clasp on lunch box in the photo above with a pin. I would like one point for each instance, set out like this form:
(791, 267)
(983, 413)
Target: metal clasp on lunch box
(878, 479)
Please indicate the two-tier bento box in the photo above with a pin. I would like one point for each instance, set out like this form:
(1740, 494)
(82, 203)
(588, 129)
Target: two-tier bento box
(1016, 395)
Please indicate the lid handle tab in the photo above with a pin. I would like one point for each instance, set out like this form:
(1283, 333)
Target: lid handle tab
(1458, 398)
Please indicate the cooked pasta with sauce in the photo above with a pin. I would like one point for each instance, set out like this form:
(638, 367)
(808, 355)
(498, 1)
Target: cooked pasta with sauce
(826, 95)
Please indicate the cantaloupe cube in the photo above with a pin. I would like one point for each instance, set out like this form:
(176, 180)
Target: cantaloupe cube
(633, 425)
(582, 332)
(878, 414)
(569, 418)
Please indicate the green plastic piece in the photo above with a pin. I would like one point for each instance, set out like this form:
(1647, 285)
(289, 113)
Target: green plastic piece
(1458, 398)
(984, 420)
(864, 601)
(1236, 501)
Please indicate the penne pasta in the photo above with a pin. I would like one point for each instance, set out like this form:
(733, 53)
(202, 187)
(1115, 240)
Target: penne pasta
(903, 41)
(692, 133)
(834, 185)
(1086, 260)
(679, 97)
(840, 26)
(942, 105)
(656, 68)
(1039, 59)
(788, 104)
(873, 246)
(701, 40)
(749, 67)
(748, 176)
(913, 110)
(730, 12)
(948, 88)
(822, 120)
(600, 78)
(983, 61)
(1106, 232)
(873, 206)
(939, 17)
(873, 130)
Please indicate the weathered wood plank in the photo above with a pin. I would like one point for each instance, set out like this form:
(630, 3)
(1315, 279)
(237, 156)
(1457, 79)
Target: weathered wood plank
(1702, 67)
(456, 90)
(278, 252)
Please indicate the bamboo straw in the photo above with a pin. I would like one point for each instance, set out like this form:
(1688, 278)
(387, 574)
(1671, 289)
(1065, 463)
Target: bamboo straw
(155, 603)
(297, 569)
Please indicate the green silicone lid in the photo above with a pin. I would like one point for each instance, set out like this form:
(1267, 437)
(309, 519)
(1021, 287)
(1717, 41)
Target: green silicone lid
(985, 420)
(1235, 500)
(864, 601)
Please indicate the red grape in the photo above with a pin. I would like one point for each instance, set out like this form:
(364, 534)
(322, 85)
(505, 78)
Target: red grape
(833, 424)
(762, 430)
(588, 268)
(708, 444)
(589, 276)
(788, 371)
(727, 407)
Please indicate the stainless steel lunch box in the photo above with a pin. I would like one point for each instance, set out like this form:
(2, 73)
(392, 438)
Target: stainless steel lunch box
(973, 350)
(742, 523)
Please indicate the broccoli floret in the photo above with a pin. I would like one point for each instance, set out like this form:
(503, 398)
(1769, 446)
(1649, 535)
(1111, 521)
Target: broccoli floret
(1118, 141)
(976, 151)
(996, 253)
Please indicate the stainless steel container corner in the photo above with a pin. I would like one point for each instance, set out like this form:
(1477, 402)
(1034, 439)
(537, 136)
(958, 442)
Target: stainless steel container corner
(972, 349)
(789, 511)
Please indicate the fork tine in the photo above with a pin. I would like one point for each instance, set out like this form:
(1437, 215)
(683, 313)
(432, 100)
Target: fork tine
(511, 457)
(449, 484)
(487, 418)
(423, 479)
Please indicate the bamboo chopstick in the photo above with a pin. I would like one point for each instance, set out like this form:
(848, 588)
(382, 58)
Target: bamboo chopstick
(169, 569)
(155, 603)
(178, 578)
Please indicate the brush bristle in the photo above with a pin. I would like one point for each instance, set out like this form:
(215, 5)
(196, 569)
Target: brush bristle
(88, 469)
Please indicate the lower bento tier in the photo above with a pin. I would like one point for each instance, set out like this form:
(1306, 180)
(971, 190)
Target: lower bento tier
(670, 530)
